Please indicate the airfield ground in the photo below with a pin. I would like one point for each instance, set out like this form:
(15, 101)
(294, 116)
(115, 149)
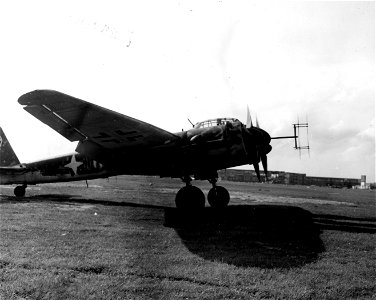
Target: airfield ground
(123, 239)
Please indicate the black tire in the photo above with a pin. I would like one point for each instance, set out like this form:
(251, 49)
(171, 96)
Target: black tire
(218, 197)
(19, 191)
(190, 197)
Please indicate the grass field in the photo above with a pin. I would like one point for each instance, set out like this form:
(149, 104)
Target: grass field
(123, 239)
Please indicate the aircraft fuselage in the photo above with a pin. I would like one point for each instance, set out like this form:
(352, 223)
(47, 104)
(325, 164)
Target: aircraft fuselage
(199, 152)
(70, 167)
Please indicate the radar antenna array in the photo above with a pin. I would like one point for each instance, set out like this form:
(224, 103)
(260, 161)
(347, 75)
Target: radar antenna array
(296, 137)
(298, 145)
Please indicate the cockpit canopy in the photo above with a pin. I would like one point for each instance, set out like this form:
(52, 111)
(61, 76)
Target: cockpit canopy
(215, 122)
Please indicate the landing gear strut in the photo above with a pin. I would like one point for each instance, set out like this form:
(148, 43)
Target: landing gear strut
(189, 196)
(20, 190)
(218, 196)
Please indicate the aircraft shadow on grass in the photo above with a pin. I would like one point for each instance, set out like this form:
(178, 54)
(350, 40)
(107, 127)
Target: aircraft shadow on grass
(265, 236)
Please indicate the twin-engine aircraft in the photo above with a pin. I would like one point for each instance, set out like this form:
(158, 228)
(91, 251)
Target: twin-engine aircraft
(111, 144)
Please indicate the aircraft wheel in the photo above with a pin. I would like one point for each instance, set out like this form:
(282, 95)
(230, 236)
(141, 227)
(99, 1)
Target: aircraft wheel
(218, 197)
(19, 191)
(189, 197)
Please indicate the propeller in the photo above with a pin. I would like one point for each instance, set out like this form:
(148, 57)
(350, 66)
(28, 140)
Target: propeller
(249, 118)
(264, 160)
(257, 145)
(261, 155)
(257, 169)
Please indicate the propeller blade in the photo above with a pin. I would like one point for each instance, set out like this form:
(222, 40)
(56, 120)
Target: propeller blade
(249, 118)
(257, 169)
(257, 123)
(264, 161)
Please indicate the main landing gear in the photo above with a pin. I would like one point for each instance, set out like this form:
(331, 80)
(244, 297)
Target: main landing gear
(191, 197)
(218, 196)
(20, 190)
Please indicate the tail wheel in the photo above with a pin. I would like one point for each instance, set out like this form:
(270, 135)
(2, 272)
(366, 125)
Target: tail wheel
(20, 191)
(189, 197)
(218, 197)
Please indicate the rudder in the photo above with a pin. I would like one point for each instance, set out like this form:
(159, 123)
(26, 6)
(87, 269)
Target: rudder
(7, 156)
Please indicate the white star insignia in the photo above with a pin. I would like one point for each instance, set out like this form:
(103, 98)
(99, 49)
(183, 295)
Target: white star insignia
(74, 164)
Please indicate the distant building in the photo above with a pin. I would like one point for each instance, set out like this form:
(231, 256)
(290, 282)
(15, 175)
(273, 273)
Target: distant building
(287, 178)
(280, 177)
(333, 182)
(363, 181)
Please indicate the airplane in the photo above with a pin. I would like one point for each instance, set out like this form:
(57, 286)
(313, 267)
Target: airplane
(111, 144)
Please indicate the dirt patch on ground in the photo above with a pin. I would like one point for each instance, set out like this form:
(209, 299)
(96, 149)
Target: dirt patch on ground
(280, 199)
(75, 207)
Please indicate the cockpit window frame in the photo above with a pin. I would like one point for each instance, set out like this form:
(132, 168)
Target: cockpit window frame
(214, 122)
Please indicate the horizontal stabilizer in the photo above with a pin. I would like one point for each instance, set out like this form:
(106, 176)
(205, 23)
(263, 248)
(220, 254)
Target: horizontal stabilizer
(17, 169)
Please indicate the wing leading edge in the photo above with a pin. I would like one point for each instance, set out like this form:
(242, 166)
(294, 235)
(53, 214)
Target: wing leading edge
(78, 120)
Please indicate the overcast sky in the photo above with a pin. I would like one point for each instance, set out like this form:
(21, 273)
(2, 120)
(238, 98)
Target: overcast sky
(165, 61)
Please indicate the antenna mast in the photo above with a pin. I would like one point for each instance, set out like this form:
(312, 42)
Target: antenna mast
(193, 125)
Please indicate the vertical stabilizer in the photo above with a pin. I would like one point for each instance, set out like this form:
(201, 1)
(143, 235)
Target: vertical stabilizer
(7, 156)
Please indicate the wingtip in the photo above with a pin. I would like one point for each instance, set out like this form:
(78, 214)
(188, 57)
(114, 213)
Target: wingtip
(31, 97)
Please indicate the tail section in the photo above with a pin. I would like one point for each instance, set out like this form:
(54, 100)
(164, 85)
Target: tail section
(7, 156)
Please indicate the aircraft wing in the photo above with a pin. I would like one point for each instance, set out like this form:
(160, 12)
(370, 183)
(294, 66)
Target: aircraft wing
(78, 120)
